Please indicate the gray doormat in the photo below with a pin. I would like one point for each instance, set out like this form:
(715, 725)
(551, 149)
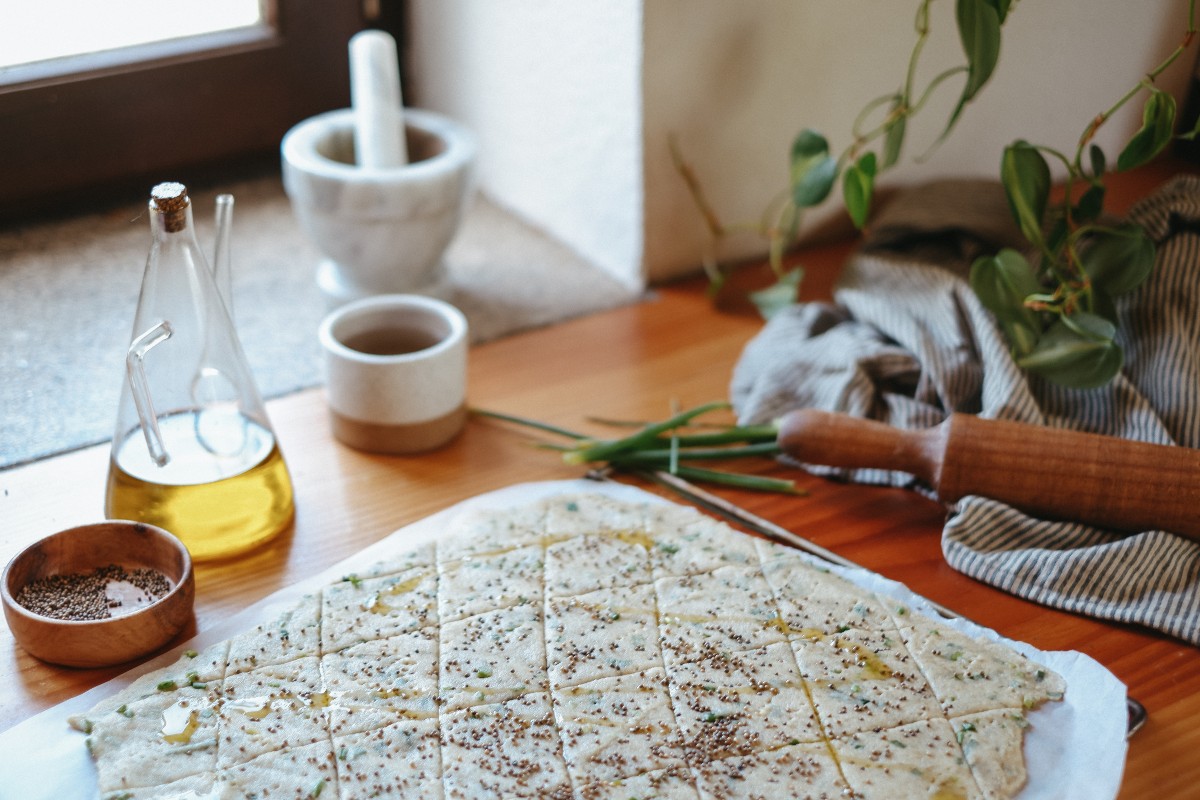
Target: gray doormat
(68, 290)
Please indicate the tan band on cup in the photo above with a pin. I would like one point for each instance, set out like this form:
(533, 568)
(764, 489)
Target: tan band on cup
(414, 438)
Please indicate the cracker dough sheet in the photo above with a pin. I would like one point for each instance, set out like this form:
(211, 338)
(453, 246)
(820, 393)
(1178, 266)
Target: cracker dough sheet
(584, 639)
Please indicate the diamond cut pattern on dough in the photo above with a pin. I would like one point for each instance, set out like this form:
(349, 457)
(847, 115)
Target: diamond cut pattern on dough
(730, 608)
(815, 601)
(271, 708)
(400, 759)
(919, 759)
(484, 583)
(969, 676)
(492, 657)
(588, 562)
(617, 728)
(507, 749)
(600, 634)
(361, 610)
(293, 633)
(147, 741)
(863, 680)
(739, 703)
(374, 683)
(581, 647)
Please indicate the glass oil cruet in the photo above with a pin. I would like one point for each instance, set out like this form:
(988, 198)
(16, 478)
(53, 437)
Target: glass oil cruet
(193, 451)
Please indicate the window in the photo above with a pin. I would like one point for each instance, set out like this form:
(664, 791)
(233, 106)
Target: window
(40, 31)
(112, 120)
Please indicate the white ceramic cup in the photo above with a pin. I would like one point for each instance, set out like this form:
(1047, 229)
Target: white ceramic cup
(395, 372)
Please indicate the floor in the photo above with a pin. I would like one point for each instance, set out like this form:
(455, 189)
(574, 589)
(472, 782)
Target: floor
(68, 291)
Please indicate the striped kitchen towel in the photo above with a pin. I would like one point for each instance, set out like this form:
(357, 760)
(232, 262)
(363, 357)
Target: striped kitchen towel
(905, 341)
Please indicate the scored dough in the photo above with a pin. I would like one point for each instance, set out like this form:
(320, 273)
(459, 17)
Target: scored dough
(581, 647)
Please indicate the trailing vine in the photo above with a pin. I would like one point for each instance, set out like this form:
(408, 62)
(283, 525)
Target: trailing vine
(1054, 303)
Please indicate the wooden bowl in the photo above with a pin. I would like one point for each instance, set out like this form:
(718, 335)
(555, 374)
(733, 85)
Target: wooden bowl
(112, 640)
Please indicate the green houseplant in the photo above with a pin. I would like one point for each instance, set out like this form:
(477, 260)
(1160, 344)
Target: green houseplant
(1055, 306)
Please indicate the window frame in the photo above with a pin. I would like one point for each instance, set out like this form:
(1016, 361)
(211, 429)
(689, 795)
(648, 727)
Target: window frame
(105, 123)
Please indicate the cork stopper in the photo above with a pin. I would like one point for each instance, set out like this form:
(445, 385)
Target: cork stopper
(170, 200)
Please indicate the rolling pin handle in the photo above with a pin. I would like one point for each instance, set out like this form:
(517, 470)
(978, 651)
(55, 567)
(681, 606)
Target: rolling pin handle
(1046, 472)
(839, 440)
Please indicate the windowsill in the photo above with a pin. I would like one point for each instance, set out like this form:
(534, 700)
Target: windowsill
(68, 291)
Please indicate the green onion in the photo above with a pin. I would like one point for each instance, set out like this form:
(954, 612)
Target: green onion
(604, 450)
(669, 446)
(732, 434)
(528, 423)
(760, 483)
(699, 453)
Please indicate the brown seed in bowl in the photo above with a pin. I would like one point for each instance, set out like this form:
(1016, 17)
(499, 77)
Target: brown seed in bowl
(100, 642)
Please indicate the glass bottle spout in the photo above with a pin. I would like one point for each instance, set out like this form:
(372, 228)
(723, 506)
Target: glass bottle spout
(135, 370)
(222, 271)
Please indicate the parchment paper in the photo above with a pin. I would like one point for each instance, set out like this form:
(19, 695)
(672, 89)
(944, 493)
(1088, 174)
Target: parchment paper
(1074, 749)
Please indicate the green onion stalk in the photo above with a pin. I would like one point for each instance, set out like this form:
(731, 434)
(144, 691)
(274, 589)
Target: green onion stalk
(673, 445)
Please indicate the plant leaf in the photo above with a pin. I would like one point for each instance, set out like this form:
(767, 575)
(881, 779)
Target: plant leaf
(780, 295)
(1103, 305)
(858, 187)
(1022, 338)
(893, 138)
(1158, 123)
(1026, 179)
(813, 169)
(1058, 232)
(1003, 278)
(979, 32)
(1002, 282)
(1118, 260)
(1090, 326)
(1076, 353)
(1091, 203)
(1099, 163)
(1001, 7)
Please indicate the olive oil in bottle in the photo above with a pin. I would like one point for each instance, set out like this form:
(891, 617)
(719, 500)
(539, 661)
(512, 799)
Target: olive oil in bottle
(194, 452)
(218, 506)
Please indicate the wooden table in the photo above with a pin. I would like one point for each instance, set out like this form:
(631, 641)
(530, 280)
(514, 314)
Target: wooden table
(631, 363)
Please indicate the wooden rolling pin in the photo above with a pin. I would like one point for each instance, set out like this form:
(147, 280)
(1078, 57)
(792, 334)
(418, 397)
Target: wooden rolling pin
(1046, 472)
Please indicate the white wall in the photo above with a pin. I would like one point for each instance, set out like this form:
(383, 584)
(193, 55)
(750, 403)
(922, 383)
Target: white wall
(553, 92)
(574, 101)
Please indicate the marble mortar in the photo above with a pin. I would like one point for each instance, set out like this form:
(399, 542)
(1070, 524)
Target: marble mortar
(382, 231)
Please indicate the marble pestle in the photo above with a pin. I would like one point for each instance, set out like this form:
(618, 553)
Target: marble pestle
(377, 100)
(379, 188)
